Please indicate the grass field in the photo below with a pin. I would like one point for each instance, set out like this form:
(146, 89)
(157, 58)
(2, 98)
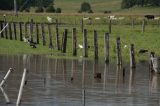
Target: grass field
(120, 28)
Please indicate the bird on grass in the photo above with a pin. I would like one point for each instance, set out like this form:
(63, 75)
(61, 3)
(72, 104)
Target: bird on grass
(141, 51)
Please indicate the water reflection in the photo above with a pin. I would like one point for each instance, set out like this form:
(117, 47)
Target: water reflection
(61, 82)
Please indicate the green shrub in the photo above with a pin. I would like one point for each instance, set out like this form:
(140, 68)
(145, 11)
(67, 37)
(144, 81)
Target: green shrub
(39, 10)
(85, 7)
(58, 10)
(50, 9)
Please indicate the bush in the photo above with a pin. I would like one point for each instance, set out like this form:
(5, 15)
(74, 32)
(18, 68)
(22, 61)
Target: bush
(90, 11)
(79, 11)
(27, 10)
(50, 9)
(85, 7)
(107, 11)
(58, 10)
(39, 10)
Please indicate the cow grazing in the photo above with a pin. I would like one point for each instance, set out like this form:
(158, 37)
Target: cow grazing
(149, 16)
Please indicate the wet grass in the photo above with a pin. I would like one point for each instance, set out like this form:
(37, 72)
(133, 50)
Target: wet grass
(148, 40)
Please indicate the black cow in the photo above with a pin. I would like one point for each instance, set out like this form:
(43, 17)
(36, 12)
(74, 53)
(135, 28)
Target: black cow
(149, 16)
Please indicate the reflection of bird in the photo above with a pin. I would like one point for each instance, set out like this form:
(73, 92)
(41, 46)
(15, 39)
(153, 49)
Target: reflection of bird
(141, 51)
(49, 19)
(80, 46)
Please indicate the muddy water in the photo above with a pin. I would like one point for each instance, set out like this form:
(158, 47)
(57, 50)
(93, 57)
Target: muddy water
(60, 82)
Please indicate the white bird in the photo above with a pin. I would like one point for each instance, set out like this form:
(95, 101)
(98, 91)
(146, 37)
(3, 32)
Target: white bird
(125, 46)
(49, 19)
(97, 18)
(25, 40)
(80, 46)
(85, 18)
(121, 18)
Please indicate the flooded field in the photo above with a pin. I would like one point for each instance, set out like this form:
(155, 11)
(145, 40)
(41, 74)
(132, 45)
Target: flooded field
(60, 82)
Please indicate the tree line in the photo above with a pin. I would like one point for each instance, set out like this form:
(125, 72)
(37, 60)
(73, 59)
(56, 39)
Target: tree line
(142, 3)
(23, 4)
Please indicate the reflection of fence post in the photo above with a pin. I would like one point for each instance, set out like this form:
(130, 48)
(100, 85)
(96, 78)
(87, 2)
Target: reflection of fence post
(74, 42)
(85, 43)
(20, 31)
(6, 76)
(118, 51)
(5, 96)
(14, 31)
(152, 55)
(57, 36)
(106, 47)
(132, 57)
(43, 34)
(50, 36)
(64, 43)
(21, 87)
(10, 30)
(37, 33)
(95, 45)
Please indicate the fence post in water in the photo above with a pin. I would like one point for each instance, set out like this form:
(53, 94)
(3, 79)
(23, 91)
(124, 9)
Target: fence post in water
(82, 25)
(50, 36)
(31, 30)
(1, 26)
(152, 55)
(10, 31)
(110, 25)
(143, 26)
(57, 36)
(118, 51)
(37, 33)
(132, 57)
(21, 87)
(20, 31)
(106, 47)
(14, 31)
(74, 42)
(6, 76)
(43, 34)
(85, 43)
(95, 45)
(64, 43)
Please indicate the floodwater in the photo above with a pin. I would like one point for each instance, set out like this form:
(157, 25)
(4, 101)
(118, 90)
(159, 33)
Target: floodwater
(61, 82)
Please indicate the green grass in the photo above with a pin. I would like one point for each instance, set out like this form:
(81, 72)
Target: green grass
(147, 40)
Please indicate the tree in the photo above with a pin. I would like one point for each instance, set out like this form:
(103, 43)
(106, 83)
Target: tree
(85, 7)
(58, 10)
(50, 9)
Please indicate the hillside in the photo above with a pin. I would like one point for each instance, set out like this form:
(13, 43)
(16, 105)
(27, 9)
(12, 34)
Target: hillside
(99, 6)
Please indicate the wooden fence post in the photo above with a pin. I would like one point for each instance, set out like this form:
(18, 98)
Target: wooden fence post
(110, 25)
(132, 57)
(118, 51)
(10, 31)
(106, 47)
(14, 31)
(95, 45)
(37, 33)
(74, 42)
(20, 31)
(143, 26)
(64, 43)
(1, 26)
(43, 34)
(57, 36)
(50, 36)
(6, 29)
(82, 25)
(85, 43)
(31, 30)
(26, 29)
